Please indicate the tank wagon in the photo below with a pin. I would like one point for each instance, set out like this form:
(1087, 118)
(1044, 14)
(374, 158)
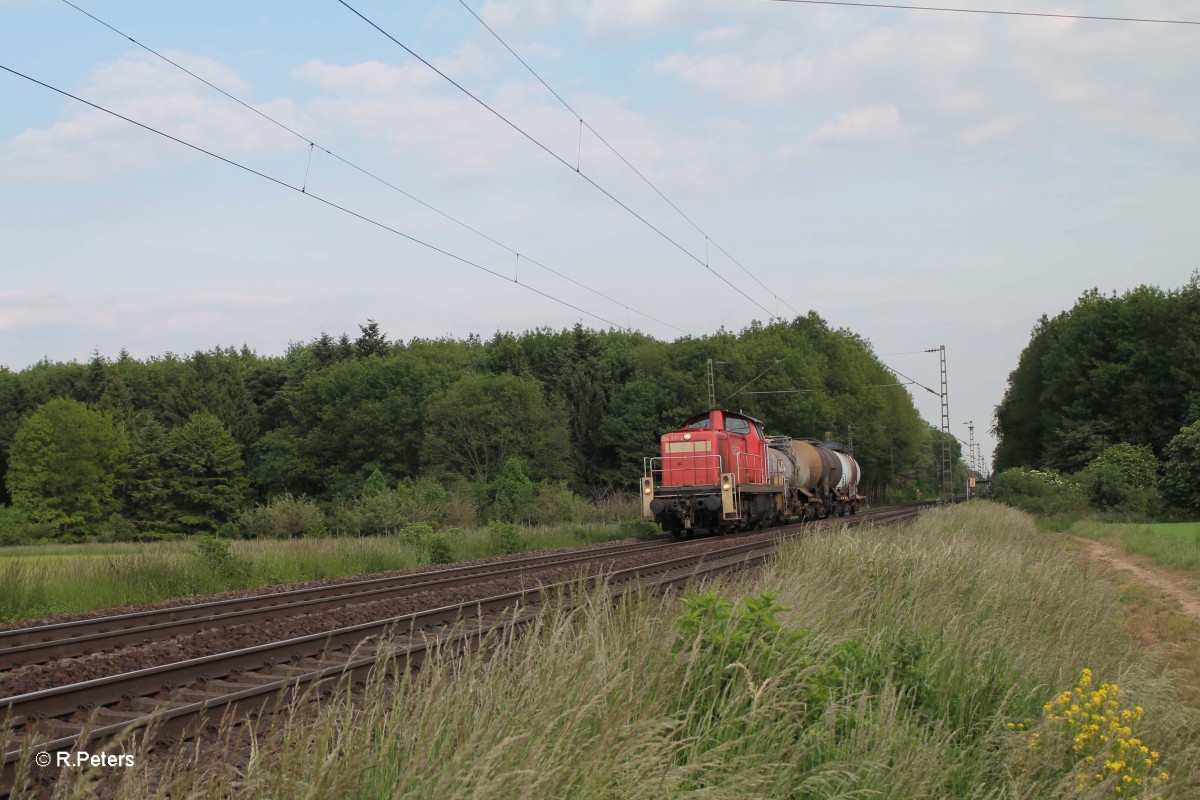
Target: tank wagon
(720, 473)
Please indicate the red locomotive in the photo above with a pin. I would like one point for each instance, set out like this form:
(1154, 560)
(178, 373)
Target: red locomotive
(721, 473)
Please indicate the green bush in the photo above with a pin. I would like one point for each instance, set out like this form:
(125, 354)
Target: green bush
(425, 499)
(117, 529)
(1181, 473)
(1039, 491)
(382, 513)
(218, 557)
(17, 528)
(284, 517)
(515, 493)
(508, 537)
(438, 548)
(436, 545)
(555, 504)
(1123, 479)
(417, 533)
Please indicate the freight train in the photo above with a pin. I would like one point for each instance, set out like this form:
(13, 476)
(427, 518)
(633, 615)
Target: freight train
(720, 473)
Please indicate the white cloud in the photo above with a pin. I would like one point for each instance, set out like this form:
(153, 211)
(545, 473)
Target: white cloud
(720, 34)
(370, 77)
(528, 13)
(876, 125)
(608, 17)
(92, 144)
(961, 80)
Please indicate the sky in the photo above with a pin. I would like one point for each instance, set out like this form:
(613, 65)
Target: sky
(919, 178)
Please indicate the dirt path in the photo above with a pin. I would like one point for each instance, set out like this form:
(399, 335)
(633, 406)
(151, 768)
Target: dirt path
(1165, 580)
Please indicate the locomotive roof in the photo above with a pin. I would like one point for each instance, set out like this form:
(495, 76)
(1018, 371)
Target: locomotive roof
(726, 413)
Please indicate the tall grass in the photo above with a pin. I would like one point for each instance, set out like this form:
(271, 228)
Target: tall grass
(58, 579)
(905, 665)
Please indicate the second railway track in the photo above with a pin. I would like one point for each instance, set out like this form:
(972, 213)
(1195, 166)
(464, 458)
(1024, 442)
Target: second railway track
(178, 699)
(43, 643)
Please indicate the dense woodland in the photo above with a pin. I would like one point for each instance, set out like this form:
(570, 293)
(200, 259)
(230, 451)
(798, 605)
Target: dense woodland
(1112, 385)
(185, 444)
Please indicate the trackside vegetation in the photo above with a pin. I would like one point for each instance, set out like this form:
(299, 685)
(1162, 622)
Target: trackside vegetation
(45, 579)
(966, 656)
(504, 428)
(1102, 413)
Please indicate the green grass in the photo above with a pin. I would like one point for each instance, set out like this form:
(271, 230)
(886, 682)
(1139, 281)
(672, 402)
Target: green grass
(905, 655)
(1172, 544)
(57, 579)
(49, 552)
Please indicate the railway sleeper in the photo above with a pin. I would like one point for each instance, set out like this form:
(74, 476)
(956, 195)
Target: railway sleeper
(191, 695)
(232, 686)
(54, 729)
(287, 670)
(107, 716)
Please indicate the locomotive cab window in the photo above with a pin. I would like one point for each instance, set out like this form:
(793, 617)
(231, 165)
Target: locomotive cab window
(735, 425)
(700, 424)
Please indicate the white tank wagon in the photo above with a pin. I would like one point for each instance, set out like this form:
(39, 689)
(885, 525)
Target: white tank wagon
(820, 478)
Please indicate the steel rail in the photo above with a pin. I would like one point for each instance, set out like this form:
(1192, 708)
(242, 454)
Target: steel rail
(186, 719)
(96, 692)
(43, 643)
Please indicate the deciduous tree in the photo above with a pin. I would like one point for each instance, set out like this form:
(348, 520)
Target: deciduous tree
(65, 463)
(207, 485)
(1181, 473)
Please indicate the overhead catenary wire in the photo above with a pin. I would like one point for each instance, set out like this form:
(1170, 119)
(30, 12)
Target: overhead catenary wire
(542, 146)
(912, 380)
(311, 145)
(584, 123)
(298, 190)
(896, 6)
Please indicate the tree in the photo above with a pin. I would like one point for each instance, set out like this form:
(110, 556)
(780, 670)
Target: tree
(1111, 369)
(213, 382)
(348, 420)
(65, 463)
(204, 465)
(13, 406)
(514, 492)
(1123, 478)
(1181, 474)
(144, 485)
(481, 420)
(372, 342)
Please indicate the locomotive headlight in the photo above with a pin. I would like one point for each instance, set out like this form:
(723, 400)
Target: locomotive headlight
(687, 436)
(647, 490)
(725, 481)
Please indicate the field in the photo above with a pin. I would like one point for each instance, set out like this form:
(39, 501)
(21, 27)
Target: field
(940, 660)
(1175, 544)
(41, 580)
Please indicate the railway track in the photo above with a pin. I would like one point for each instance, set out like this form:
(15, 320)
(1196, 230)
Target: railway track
(43, 643)
(178, 700)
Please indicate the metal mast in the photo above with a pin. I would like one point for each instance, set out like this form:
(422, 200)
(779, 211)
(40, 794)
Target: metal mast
(712, 387)
(947, 485)
(970, 459)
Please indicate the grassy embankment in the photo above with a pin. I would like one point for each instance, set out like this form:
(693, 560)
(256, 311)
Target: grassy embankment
(910, 662)
(57, 579)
